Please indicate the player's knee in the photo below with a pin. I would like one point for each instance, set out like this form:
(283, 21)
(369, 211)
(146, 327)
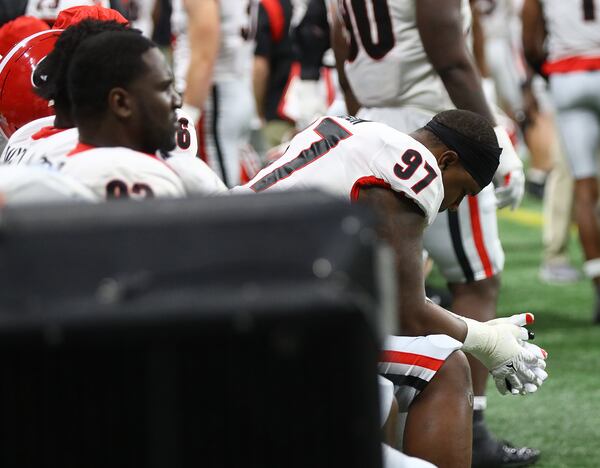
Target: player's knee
(455, 375)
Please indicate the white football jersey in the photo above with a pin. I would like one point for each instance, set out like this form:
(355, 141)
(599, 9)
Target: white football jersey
(51, 150)
(140, 15)
(21, 142)
(573, 28)
(196, 176)
(387, 65)
(24, 185)
(119, 172)
(340, 155)
(48, 10)
(234, 59)
(498, 18)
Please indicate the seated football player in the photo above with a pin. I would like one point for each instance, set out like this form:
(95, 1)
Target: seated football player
(28, 105)
(24, 185)
(408, 179)
(124, 105)
(52, 145)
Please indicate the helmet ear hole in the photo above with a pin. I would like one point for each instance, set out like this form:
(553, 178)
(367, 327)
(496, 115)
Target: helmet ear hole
(19, 104)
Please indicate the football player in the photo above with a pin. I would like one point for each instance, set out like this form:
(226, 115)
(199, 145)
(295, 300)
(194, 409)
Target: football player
(124, 104)
(571, 32)
(402, 63)
(408, 179)
(27, 115)
(212, 58)
(50, 144)
(22, 185)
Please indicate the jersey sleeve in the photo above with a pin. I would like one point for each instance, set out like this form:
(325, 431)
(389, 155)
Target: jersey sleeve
(263, 33)
(196, 176)
(407, 167)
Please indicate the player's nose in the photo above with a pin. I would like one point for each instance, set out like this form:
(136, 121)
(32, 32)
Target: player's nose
(177, 100)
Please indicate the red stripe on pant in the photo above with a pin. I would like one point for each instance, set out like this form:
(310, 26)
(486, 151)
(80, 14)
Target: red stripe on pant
(478, 237)
(411, 359)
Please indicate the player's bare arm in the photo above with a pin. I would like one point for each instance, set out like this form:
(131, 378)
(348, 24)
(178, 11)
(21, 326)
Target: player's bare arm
(440, 28)
(204, 36)
(340, 51)
(260, 78)
(402, 224)
(533, 33)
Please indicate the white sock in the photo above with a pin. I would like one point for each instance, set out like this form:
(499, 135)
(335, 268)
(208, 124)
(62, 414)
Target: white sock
(479, 403)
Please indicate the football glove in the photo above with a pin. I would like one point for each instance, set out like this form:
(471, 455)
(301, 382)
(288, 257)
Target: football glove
(501, 346)
(509, 179)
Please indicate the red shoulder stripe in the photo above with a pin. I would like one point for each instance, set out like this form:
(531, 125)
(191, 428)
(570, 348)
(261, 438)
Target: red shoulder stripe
(45, 132)
(80, 148)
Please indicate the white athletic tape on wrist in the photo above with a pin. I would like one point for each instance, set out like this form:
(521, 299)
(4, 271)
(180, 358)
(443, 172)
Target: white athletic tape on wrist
(591, 268)
(509, 159)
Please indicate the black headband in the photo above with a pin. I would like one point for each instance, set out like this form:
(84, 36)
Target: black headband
(478, 159)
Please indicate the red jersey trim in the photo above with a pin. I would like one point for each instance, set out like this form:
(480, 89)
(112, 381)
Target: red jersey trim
(572, 64)
(45, 132)
(80, 148)
(478, 237)
(410, 359)
(276, 18)
(367, 181)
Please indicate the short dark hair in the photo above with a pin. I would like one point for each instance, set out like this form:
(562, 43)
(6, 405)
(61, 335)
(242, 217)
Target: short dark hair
(103, 62)
(50, 77)
(469, 124)
(473, 139)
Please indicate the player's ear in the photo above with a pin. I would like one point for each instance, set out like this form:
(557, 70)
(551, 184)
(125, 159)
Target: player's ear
(447, 159)
(120, 102)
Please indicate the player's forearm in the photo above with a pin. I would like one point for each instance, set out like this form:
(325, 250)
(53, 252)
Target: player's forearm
(199, 82)
(204, 36)
(463, 84)
(340, 51)
(533, 34)
(260, 79)
(431, 319)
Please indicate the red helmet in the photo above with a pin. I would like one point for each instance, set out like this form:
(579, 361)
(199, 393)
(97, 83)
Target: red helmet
(14, 31)
(18, 103)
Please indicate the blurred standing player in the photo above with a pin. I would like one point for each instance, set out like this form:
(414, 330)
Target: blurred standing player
(274, 68)
(404, 62)
(212, 58)
(571, 31)
(139, 13)
(522, 95)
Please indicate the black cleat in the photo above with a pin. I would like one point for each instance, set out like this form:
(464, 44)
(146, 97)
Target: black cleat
(502, 454)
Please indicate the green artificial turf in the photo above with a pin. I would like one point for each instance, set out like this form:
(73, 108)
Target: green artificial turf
(563, 418)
